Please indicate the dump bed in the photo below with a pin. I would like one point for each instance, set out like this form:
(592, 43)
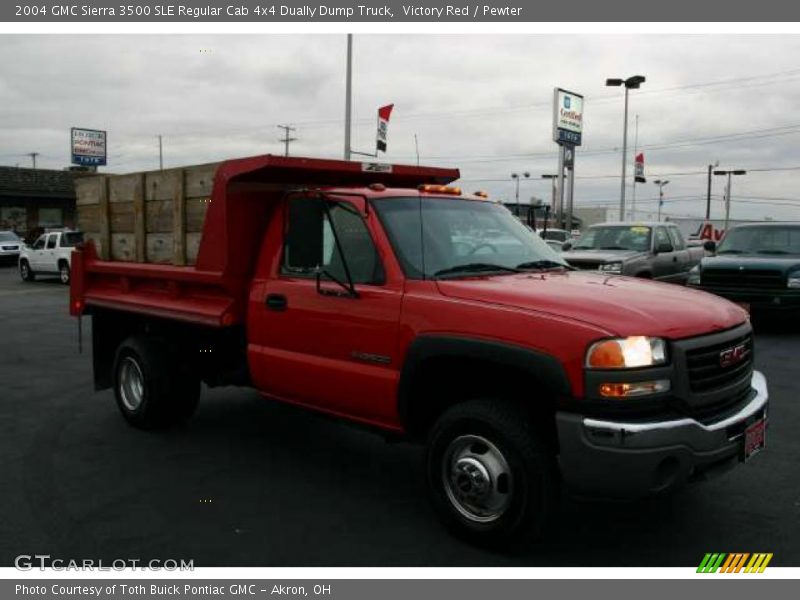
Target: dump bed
(182, 243)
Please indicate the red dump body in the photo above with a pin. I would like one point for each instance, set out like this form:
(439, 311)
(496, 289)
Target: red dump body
(214, 291)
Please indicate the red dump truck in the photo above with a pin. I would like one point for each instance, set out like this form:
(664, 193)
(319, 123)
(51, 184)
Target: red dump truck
(379, 294)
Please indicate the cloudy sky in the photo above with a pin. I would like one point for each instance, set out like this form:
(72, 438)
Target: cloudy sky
(478, 102)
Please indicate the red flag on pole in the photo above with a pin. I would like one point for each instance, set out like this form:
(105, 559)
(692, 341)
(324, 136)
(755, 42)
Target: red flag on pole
(639, 168)
(384, 112)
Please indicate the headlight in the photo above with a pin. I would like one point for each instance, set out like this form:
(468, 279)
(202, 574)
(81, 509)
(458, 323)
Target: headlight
(627, 353)
(694, 276)
(794, 280)
(613, 267)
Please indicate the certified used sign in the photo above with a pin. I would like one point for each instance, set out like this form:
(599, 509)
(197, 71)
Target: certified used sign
(88, 147)
(567, 117)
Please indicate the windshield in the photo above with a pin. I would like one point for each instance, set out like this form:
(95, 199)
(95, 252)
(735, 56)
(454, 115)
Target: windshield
(71, 239)
(461, 237)
(617, 237)
(8, 236)
(761, 240)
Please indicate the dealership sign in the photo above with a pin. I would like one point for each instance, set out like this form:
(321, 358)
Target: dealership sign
(88, 147)
(567, 117)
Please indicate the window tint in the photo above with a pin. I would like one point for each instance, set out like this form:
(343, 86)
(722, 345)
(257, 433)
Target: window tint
(51, 241)
(39, 244)
(677, 238)
(310, 242)
(8, 236)
(662, 237)
(71, 239)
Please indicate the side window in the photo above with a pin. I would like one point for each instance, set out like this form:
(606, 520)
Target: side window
(662, 237)
(310, 242)
(51, 241)
(677, 238)
(39, 243)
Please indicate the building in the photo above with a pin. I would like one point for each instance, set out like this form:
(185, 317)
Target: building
(35, 199)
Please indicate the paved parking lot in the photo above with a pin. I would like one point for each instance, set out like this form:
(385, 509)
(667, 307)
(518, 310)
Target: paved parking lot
(253, 483)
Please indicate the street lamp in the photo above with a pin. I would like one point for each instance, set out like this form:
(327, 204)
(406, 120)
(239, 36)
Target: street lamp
(631, 83)
(660, 183)
(728, 190)
(516, 177)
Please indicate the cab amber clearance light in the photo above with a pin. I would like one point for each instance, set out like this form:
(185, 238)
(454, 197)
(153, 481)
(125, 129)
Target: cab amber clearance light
(430, 188)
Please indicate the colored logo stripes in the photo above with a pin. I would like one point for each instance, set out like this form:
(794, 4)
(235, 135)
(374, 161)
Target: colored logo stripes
(735, 562)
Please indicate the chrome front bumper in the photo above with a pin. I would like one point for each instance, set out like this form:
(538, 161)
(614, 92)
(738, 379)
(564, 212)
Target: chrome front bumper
(630, 459)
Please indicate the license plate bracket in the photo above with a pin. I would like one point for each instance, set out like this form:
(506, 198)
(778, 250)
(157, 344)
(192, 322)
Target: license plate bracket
(754, 439)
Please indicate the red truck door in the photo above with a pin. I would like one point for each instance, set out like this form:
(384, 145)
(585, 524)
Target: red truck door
(328, 350)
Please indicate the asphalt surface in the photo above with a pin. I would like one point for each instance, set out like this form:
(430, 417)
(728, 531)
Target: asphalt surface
(250, 482)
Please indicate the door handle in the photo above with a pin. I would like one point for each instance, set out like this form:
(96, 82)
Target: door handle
(276, 302)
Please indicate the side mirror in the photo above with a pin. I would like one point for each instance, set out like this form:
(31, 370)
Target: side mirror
(664, 247)
(566, 246)
(710, 246)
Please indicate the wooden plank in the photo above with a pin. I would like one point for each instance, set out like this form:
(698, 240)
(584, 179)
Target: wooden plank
(159, 248)
(159, 216)
(179, 219)
(192, 247)
(123, 247)
(121, 214)
(161, 185)
(88, 190)
(104, 230)
(122, 188)
(139, 219)
(200, 180)
(196, 209)
(89, 218)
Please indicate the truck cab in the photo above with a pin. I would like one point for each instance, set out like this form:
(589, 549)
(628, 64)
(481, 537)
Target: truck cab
(385, 297)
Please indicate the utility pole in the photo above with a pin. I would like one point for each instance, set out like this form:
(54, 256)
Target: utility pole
(160, 153)
(631, 83)
(635, 149)
(416, 146)
(286, 139)
(728, 173)
(660, 183)
(33, 156)
(348, 102)
(708, 193)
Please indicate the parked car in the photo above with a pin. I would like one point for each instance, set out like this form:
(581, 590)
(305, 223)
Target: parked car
(559, 235)
(10, 246)
(50, 254)
(648, 250)
(756, 265)
(555, 245)
(383, 298)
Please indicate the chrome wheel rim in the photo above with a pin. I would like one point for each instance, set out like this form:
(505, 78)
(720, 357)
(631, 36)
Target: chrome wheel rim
(24, 270)
(64, 275)
(131, 384)
(477, 478)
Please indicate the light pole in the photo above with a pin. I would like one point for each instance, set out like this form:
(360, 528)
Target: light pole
(516, 177)
(728, 190)
(556, 209)
(631, 83)
(660, 183)
(708, 193)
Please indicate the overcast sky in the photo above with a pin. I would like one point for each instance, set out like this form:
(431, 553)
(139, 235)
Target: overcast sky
(479, 102)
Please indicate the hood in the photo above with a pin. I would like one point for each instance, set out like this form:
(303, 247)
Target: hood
(618, 305)
(600, 256)
(738, 262)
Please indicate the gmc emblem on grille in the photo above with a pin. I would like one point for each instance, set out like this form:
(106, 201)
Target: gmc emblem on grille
(732, 356)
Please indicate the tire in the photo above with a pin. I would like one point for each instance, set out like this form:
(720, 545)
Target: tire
(511, 507)
(153, 387)
(25, 271)
(64, 272)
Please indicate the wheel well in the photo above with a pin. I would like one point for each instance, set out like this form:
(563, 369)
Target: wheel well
(218, 356)
(62, 261)
(441, 382)
(644, 274)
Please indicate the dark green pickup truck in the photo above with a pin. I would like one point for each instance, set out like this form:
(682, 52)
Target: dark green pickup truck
(755, 265)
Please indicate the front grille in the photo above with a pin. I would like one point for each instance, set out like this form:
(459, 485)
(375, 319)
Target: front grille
(10, 247)
(707, 370)
(748, 278)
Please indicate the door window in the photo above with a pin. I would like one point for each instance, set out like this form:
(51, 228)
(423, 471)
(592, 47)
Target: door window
(662, 238)
(677, 238)
(39, 244)
(51, 241)
(311, 237)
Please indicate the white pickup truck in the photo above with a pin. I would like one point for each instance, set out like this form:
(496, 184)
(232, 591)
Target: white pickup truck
(51, 254)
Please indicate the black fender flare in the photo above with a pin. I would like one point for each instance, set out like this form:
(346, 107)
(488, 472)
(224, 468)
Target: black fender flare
(544, 367)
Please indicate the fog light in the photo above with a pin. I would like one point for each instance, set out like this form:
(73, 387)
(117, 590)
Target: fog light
(630, 390)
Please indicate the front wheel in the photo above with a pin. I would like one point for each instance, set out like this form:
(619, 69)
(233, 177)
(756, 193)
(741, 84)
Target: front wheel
(25, 271)
(491, 477)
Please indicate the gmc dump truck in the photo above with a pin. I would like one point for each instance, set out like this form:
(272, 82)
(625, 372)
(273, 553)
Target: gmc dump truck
(382, 295)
